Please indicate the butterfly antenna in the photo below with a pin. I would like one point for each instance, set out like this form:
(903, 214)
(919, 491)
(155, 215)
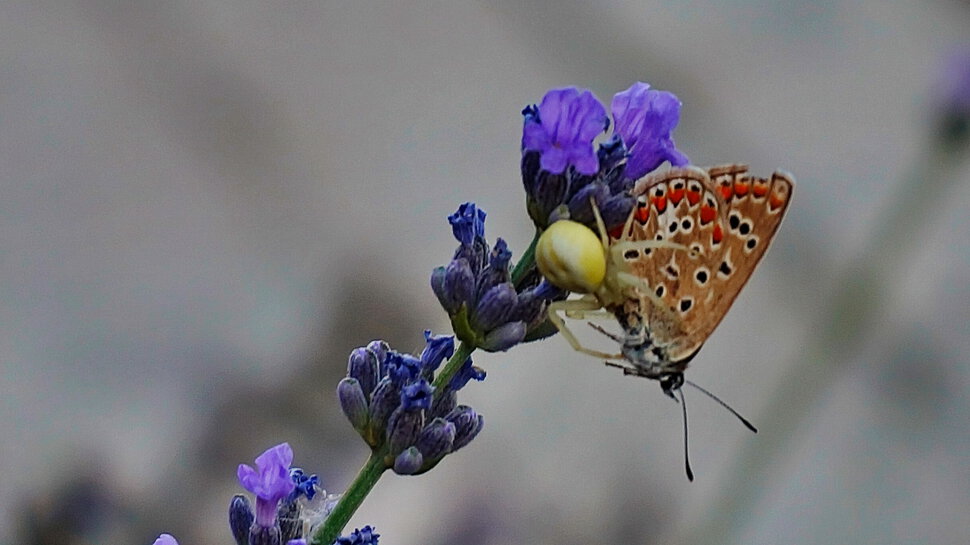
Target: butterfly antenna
(725, 405)
(683, 406)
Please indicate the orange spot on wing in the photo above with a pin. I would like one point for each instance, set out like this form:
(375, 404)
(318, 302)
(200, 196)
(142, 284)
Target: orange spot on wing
(660, 203)
(740, 188)
(727, 191)
(775, 202)
(760, 190)
(707, 214)
(693, 197)
(718, 235)
(676, 195)
(642, 213)
(616, 232)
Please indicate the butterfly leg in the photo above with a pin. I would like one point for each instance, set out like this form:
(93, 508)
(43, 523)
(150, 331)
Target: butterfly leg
(585, 304)
(616, 338)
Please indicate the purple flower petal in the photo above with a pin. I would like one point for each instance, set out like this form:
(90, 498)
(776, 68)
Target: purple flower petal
(562, 130)
(645, 120)
(270, 481)
(166, 539)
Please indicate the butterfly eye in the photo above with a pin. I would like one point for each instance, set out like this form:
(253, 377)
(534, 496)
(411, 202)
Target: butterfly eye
(571, 256)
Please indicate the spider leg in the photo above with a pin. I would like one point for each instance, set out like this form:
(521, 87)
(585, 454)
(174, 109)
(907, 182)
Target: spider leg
(576, 305)
(621, 246)
(583, 314)
(600, 225)
(645, 291)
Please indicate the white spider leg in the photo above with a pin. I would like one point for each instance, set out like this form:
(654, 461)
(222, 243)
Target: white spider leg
(600, 225)
(628, 226)
(584, 314)
(585, 304)
(620, 247)
(633, 281)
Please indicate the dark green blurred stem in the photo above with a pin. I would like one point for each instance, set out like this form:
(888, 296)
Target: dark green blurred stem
(848, 319)
(351, 500)
(526, 262)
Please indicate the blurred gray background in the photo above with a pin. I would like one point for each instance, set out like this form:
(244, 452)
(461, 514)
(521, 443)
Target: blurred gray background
(204, 206)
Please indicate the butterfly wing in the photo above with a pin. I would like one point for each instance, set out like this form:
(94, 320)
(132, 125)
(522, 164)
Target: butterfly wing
(726, 220)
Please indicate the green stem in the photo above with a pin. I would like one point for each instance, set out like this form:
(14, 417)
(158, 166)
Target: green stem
(526, 262)
(453, 365)
(371, 472)
(351, 500)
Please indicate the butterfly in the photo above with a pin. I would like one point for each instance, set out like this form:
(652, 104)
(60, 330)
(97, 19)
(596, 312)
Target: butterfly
(671, 273)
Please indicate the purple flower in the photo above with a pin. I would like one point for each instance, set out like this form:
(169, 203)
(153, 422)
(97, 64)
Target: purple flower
(417, 395)
(166, 539)
(299, 541)
(645, 120)
(362, 536)
(306, 485)
(467, 372)
(270, 482)
(403, 401)
(562, 130)
(437, 349)
(468, 223)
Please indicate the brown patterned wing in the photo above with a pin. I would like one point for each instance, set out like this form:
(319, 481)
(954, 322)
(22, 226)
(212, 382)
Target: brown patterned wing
(726, 219)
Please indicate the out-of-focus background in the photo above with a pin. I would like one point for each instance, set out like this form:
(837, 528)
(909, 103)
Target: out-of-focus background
(206, 205)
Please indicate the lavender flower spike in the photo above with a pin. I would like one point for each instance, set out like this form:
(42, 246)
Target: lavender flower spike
(270, 482)
(645, 120)
(562, 130)
(166, 539)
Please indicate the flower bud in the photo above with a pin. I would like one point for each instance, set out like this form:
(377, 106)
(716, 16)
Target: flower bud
(436, 439)
(264, 535)
(579, 207)
(503, 338)
(402, 429)
(240, 519)
(362, 365)
(467, 425)
(459, 285)
(353, 402)
(288, 515)
(493, 307)
(408, 462)
(386, 398)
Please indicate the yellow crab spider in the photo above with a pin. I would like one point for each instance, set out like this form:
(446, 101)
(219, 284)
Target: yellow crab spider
(573, 258)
